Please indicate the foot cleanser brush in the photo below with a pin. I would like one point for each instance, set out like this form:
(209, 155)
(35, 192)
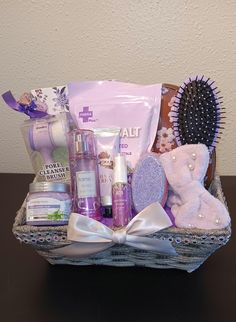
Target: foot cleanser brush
(47, 134)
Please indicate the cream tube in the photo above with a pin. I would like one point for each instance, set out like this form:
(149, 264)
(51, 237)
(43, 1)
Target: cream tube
(108, 146)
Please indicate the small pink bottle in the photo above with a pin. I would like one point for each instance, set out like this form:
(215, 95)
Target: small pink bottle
(121, 205)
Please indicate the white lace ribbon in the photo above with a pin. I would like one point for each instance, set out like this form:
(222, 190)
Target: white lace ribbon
(89, 236)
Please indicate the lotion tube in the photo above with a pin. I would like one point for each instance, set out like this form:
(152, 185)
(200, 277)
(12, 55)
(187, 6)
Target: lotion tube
(108, 144)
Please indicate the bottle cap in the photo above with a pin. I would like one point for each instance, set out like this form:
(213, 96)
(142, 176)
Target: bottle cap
(120, 169)
(84, 142)
(106, 201)
(107, 212)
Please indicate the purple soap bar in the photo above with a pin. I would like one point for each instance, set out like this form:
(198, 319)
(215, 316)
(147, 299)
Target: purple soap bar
(149, 183)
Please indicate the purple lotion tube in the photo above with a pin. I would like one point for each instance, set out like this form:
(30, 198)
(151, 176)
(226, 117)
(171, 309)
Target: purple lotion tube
(84, 171)
(121, 205)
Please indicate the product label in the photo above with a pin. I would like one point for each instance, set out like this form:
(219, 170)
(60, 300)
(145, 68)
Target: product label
(121, 206)
(105, 166)
(86, 184)
(48, 209)
(54, 171)
(86, 114)
(130, 132)
(104, 160)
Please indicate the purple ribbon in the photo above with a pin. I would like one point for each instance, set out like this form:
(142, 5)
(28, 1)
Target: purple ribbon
(30, 110)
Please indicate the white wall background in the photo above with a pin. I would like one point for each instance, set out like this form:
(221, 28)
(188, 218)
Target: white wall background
(47, 43)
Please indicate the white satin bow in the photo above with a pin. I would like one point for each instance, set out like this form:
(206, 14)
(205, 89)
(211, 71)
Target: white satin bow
(90, 236)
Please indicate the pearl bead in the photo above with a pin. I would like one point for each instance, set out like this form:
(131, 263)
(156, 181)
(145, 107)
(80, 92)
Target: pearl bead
(190, 225)
(173, 157)
(194, 156)
(191, 167)
(201, 216)
(217, 221)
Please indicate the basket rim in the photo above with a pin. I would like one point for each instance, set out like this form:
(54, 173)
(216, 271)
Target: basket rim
(19, 228)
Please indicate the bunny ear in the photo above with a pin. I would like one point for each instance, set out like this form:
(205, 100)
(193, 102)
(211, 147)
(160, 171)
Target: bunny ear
(171, 163)
(199, 154)
(185, 163)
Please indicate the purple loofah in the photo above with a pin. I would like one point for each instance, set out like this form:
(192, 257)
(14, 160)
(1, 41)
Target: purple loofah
(149, 183)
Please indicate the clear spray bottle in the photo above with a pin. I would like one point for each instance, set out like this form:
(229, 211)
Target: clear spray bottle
(84, 173)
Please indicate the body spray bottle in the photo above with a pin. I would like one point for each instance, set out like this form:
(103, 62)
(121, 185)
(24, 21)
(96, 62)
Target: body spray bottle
(86, 196)
(121, 205)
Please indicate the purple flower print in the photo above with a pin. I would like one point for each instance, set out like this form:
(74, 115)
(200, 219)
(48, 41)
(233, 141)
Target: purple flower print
(61, 100)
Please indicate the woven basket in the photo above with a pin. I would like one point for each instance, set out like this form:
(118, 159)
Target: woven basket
(193, 246)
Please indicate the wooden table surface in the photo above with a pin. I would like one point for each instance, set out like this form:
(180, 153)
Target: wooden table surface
(31, 290)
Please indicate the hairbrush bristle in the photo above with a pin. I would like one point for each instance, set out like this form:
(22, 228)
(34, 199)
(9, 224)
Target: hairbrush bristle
(196, 112)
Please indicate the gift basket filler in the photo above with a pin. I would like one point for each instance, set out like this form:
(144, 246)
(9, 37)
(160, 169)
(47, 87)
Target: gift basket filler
(124, 173)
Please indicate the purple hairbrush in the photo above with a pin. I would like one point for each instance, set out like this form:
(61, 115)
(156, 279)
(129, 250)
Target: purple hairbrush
(196, 112)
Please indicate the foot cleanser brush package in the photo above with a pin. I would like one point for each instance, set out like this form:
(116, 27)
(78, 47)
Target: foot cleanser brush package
(46, 142)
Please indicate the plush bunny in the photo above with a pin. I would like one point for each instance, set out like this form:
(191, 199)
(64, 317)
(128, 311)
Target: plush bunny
(191, 204)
